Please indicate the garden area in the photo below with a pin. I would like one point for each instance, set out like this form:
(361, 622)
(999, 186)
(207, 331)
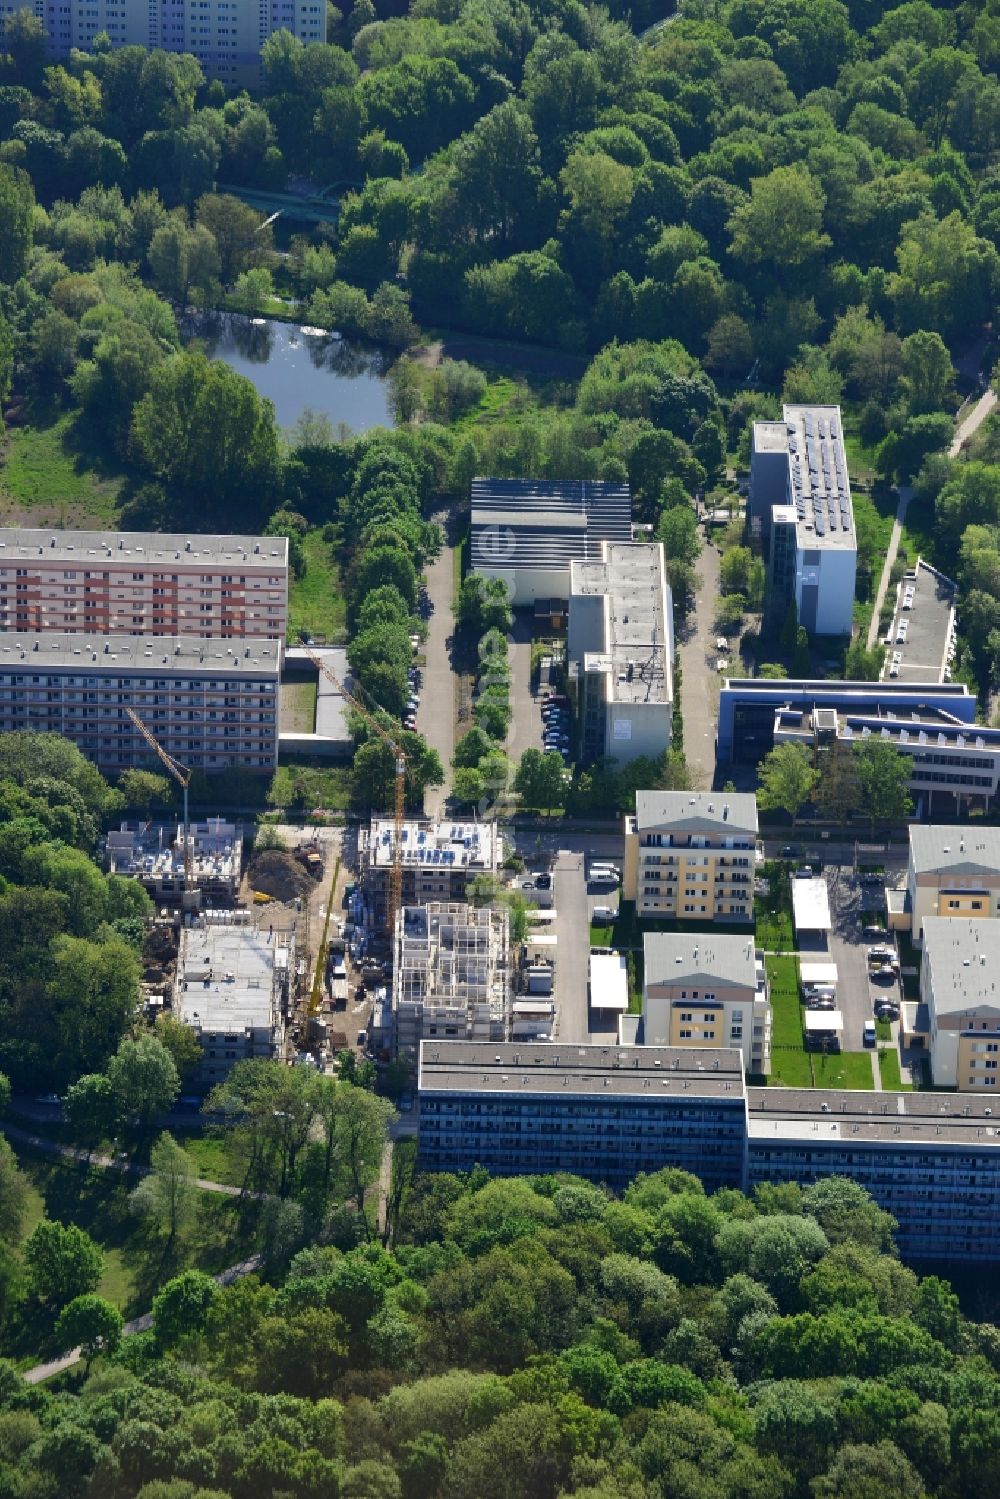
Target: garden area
(889, 1071)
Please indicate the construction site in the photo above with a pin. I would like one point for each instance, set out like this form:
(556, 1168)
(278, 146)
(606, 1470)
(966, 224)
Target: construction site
(451, 975)
(207, 859)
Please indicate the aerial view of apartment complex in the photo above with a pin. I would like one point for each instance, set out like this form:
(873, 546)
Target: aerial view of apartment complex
(689, 855)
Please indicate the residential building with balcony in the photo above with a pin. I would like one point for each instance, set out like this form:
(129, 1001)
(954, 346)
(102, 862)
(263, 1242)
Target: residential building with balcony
(439, 860)
(689, 855)
(211, 704)
(602, 1112)
(959, 977)
(707, 990)
(143, 583)
(951, 872)
(224, 35)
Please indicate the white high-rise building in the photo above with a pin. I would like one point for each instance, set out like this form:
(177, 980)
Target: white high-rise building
(224, 35)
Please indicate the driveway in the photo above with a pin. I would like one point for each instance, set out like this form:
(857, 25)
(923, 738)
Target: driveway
(700, 684)
(436, 714)
(526, 718)
(572, 929)
(847, 949)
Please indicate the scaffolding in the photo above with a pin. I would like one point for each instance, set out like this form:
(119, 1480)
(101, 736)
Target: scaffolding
(452, 974)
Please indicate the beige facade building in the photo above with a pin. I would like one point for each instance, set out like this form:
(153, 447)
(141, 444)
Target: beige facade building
(707, 991)
(212, 705)
(452, 974)
(953, 872)
(689, 855)
(139, 583)
(960, 987)
(439, 860)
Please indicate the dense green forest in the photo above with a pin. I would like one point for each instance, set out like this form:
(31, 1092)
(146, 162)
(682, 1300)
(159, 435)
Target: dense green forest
(526, 1338)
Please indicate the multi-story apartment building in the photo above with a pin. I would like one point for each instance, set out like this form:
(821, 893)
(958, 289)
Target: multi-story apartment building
(620, 650)
(951, 872)
(439, 860)
(959, 973)
(800, 503)
(231, 988)
(224, 35)
(704, 990)
(930, 1159)
(604, 1112)
(689, 855)
(139, 583)
(452, 976)
(211, 704)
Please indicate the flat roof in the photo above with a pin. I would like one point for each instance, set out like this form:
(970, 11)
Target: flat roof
(171, 655)
(536, 523)
(636, 656)
(813, 1115)
(556, 1069)
(608, 981)
(925, 613)
(680, 957)
(811, 905)
(225, 977)
(826, 689)
(431, 845)
(49, 545)
(729, 812)
(817, 973)
(824, 1020)
(330, 720)
(962, 955)
(938, 848)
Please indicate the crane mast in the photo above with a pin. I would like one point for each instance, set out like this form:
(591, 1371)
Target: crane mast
(399, 802)
(180, 773)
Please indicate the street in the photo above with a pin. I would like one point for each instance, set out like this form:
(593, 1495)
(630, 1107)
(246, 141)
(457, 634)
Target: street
(700, 681)
(436, 714)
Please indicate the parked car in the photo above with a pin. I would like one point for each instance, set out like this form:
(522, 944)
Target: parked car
(821, 1004)
(826, 1042)
(605, 913)
(869, 1033)
(873, 931)
(818, 991)
(789, 851)
(884, 975)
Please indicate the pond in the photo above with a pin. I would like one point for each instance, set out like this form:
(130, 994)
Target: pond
(297, 370)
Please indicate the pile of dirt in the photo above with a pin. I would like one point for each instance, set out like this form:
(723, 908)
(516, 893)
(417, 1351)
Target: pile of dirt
(159, 947)
(277, 874)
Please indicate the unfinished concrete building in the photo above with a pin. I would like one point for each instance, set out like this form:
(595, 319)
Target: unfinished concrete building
(452, 974)
(439, 859)
(231, 988)
(153, 854)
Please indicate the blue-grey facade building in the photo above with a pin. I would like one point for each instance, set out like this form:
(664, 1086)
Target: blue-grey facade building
(748, 705)
(609, 1112)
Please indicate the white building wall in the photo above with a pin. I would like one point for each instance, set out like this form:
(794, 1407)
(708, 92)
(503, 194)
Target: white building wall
(526, 585)
(636, 729)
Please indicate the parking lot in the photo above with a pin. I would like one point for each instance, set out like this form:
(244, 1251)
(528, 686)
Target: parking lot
(854, 905)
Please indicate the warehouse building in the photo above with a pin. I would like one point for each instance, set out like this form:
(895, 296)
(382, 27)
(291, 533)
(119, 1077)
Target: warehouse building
(143, 583)
(620, 651)
(800, 505)
(689, 855)
(527, 532)
(211, 704)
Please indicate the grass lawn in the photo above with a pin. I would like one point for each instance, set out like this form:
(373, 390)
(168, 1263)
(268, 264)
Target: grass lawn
(888, 1067)
(786, 1010)
(310, 786)
(883, 1030)
(600, 936)
(47, 469)
(136, 1262)
(316, 604)
(773, 931)
(215, 1157)
(790, 1068)
(298, 707)
(845, 1069)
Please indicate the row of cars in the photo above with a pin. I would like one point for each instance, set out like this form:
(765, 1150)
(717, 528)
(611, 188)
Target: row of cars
(414, 679)
(556, 724)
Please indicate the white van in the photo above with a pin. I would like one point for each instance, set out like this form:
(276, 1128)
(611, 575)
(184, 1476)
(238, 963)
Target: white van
(605, 913)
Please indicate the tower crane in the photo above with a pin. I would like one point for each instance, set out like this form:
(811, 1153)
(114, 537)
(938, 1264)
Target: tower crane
(400, 763)
(180, 773)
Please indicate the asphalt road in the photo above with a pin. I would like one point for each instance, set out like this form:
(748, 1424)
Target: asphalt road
(526, 718)
(436, 714)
